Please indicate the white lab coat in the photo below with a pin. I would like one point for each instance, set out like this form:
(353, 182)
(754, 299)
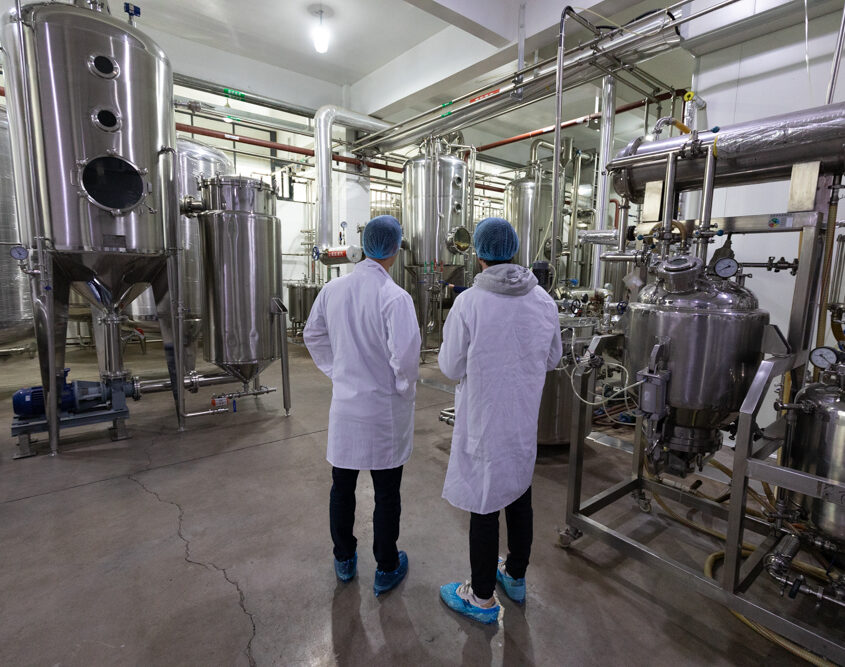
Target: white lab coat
(499, 340)
(363, 333)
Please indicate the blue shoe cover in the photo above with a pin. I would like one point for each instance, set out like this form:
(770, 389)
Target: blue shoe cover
(514, 588)
(455, 594)
(346, 569)
(387, 580)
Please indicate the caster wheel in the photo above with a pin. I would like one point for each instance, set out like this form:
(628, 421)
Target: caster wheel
(644, 505)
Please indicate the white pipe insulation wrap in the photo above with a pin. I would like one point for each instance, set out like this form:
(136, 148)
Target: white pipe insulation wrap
(324, 121)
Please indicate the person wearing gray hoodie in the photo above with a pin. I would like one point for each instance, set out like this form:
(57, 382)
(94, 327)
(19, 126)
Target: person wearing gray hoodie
(501, 337)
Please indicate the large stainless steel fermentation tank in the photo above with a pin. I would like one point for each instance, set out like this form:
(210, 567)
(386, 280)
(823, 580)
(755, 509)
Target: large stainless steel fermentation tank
(435, 211)
(94, 171)
(15, 300)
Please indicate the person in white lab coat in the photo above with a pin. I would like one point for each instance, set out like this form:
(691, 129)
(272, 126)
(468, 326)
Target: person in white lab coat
(363, 334)
(500, 338)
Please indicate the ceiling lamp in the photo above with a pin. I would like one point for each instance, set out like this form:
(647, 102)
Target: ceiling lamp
(320, 33)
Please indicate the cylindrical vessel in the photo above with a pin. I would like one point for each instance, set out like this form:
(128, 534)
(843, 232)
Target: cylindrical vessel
(93, 157)
(554, 423)
(528, 207)
(433, 204)
(819, 449)
(241, 249)
(195, 160)
(15, 302)
(301, 297)
(713, 329)
(755, 151)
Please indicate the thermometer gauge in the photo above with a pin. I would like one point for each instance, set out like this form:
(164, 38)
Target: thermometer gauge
(19, 253)
(726, 267)
(824, 357)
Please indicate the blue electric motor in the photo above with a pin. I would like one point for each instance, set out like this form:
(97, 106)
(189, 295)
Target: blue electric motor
(77, 396)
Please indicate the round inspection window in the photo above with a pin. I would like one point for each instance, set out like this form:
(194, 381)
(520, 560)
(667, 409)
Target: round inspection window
(104, 66)
(112, 182)
(106, 120)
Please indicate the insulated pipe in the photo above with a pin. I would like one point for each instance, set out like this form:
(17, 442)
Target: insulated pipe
(324, 120)
(751, 152)
(572, 241)
(614, 50)
(608, 116)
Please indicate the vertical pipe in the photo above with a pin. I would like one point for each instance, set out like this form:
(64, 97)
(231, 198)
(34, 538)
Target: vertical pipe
(41, 281)
(608, 116)
(556, 186)
(283, 333)
(573, 218)
(622, 232)
(837, 57)
(706, 204)
(668, 202)
(830, 236)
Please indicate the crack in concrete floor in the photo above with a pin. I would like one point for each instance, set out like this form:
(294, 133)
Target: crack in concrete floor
(209, 565)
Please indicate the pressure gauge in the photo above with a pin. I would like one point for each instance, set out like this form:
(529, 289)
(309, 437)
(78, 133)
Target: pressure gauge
(824, 357)
(726, 267)
(19, 253)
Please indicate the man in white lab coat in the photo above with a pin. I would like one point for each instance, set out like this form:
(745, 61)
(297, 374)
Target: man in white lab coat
(363, 333)
(499, 340)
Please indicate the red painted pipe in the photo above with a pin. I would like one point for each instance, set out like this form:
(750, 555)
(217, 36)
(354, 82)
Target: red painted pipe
(575, 121)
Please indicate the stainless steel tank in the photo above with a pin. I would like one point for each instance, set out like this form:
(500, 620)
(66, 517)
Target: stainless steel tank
(15, 301)
(103, 180)
(819, 449)
(195, 160)
(301, 297)
(555, 420)
(712, 330)
(434, 202)
(528, 207)
(242, 257)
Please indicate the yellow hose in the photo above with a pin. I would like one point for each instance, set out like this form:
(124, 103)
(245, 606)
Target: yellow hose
(773, 637)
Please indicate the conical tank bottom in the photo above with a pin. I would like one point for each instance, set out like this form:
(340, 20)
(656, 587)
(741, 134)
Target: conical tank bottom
(245, 371)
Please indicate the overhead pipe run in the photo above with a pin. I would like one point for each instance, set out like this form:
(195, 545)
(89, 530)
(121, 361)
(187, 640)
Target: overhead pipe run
(581, 120)
(324, 121)
(617, 50)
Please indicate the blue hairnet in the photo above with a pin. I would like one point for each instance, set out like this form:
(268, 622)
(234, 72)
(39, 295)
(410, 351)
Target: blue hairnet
(495, 239)
(382, 236)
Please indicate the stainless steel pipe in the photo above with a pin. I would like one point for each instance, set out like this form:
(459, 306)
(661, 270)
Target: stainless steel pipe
(608, 116)
(324, 121)
(751, 152)
(630, 45)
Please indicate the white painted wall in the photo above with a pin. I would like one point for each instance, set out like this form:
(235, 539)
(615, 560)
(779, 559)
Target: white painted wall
(759, 78)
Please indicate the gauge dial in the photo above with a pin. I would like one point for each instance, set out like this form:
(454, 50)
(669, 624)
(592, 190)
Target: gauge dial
(726, 267)
(19, 253)
(824, 357)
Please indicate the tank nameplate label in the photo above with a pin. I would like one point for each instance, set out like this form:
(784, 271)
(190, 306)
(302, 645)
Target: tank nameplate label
(114, 241)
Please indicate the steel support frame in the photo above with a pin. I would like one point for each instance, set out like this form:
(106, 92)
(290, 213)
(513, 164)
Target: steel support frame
(748, 465)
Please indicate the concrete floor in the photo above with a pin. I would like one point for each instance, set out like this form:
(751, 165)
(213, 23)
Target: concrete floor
(211, 547)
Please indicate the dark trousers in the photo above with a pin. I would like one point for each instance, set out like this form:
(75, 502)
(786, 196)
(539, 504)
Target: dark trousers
(484, 544)
(385, 516)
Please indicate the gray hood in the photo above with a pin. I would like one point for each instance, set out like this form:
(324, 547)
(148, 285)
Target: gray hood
(510, 279)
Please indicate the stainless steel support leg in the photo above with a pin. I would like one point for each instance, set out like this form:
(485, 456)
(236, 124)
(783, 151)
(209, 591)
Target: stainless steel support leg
(286, 397)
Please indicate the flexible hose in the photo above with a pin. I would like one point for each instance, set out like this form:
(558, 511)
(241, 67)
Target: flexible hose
(773, 637)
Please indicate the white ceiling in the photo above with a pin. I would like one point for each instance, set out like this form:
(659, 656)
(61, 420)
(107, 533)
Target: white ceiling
(366, 34)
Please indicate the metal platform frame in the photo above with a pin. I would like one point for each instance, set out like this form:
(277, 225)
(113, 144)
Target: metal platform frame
(751, 458)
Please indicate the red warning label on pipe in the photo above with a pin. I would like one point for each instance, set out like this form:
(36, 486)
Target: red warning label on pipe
(484, 95)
